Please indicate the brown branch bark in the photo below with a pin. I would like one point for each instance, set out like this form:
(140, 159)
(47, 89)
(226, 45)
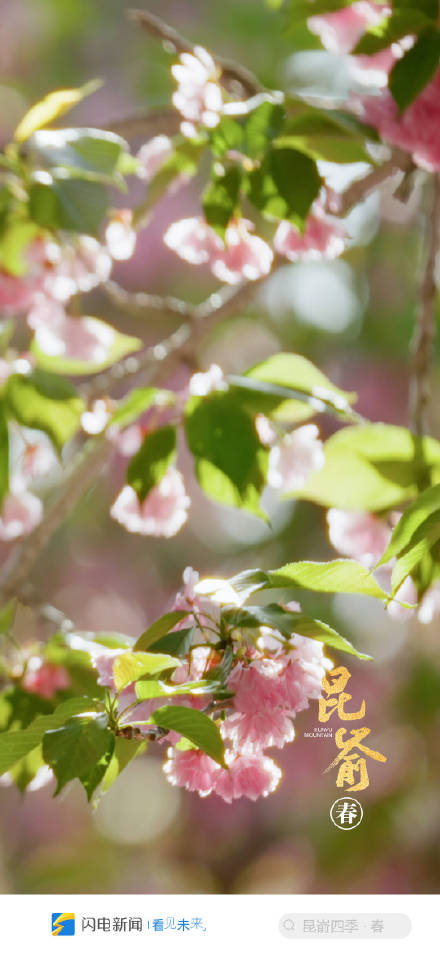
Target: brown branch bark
(144, 124)
(361, 188)
(424, 332)
(232, 73)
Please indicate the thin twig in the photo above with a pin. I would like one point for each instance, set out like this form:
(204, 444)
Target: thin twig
(424, 332)
(85, 468)
(231, 72)
(361, 188)
(146, 124)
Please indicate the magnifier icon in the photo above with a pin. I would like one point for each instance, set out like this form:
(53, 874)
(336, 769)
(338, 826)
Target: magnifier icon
(288, 924)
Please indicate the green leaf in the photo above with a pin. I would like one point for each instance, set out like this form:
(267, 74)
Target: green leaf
(285, 185)
(19, 708)
(92, 153)
(159, 628)
(52, 107)
(175, 643)
(4, 452)
(15, 240)
(400, 23)
(226, 136)
(302, 9)
(372, 467)
(339, 575)
(16, 744)
(130, 666)
(262, 126)
(7, 616)
(328, 136)
(220, 199)
(194, 725)
(152, 461)
(82, 748)
(289, 623)
(426, 504)
(137, 402)
(428, 7)
(125, 751)
(46, 402)
(57, 201)
(116, 344)
(231, 464)
(151, 688)
(411, 74)
(420, 546)
(278, 383)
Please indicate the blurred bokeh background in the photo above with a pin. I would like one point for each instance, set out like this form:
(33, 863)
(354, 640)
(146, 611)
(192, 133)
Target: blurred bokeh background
(354, 318)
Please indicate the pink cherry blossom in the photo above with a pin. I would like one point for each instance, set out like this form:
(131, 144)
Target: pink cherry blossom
(323, 237)
(32, 455)
(128, 441)
(195, 667)
(248, 775)
(193, 240)
(295, 458)
(74, 339)
(19, 292)
(198, 96)
(162, 513)
(245, 256)
(340, 31)
(79, 265)
(417, 130)
(44, 678)
(202, 384)
(152, 155)
(361, 536)
(120, 236)
(257, 686)
(242, 256)
(203, 612)
(193, 770)
(95, 420)
(258, 730)
(267, 434)
(21, 511)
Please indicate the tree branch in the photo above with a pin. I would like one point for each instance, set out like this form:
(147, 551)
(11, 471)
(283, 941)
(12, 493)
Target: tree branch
(361, 188)
(156, 361)
(85, 468)
(232, 73)
(146, 124)
(424, 332)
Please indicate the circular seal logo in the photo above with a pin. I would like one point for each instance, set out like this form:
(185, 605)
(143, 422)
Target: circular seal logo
(346, 813)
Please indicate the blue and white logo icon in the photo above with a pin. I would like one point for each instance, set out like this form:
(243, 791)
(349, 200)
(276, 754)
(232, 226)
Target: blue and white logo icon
(63, 924)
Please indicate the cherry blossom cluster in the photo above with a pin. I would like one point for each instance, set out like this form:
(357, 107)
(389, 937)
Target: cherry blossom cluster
(269, 680)
(416, 130)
